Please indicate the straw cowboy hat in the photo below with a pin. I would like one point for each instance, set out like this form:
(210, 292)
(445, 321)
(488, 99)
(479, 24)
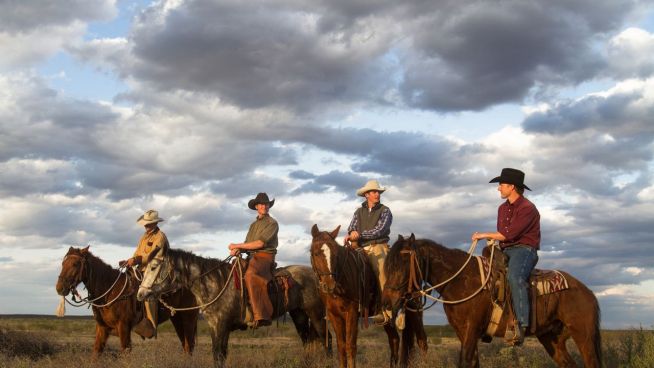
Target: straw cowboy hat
(149, 217)
(511, 176)
(261, 198)
(370, 185)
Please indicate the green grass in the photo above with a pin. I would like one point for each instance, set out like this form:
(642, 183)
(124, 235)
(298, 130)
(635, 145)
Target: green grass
(67, 342)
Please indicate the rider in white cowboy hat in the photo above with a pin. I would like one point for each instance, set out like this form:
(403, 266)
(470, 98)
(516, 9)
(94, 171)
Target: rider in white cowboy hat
(370, 227)
(152, 239)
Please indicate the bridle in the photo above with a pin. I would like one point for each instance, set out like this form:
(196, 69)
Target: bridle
(414, 283)
(334, 275)
(72, 286)
(158, 279)
(77, 300)
(416, 279)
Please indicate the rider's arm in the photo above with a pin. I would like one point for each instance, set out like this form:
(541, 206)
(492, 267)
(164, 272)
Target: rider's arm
(354, 225)
(494, 236)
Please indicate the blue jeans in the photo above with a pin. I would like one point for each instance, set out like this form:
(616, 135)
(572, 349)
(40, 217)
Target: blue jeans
(522, 259)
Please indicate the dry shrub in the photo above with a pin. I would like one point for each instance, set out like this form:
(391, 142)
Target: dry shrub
(25, 344)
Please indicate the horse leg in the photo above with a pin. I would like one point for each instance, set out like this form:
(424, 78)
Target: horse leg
(469, 355)
(318, 322)
(190, 321)
(589, 344)
(415, 319)
(219, 340)
(185, 326)
(125, 335)
(101, 335)
(302, 326)
(338, 324)
(394, 345)
(554, 343)
(351, 332)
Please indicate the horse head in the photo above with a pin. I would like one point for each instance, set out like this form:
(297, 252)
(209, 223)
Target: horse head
(324, 253)
(400, 261)
(74, 268)
(158, 277)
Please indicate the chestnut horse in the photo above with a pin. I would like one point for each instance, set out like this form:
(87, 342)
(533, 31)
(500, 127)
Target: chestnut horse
(218, 289)
(573, 312)
(349, 287)
(117, 311)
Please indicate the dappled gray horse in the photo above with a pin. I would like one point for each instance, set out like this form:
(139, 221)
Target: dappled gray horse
(218, 289)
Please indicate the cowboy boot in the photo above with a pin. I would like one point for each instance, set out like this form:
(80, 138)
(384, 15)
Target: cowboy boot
(517, 337)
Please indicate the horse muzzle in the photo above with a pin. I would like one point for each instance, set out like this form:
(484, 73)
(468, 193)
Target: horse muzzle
(143, 293)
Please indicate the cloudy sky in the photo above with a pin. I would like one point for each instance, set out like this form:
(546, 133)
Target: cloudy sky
(109, 108)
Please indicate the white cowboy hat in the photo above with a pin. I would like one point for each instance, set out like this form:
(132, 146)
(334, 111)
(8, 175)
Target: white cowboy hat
(370, 185)
(149, 217)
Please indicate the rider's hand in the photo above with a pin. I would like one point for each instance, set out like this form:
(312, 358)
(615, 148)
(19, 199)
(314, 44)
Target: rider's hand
(353, 235)
(233, 246)
(478, 236)
(234, 252)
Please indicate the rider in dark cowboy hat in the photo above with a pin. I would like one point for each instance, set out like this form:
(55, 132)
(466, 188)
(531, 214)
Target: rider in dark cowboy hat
(518, 231)
(261, 246)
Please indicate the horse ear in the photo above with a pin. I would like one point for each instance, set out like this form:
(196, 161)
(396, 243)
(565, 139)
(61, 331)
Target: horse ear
(334, 233)
(412, 238)
(400, 237)
(85, 249)
(314, 230)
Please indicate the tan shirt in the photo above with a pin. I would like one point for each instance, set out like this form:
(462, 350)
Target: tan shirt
(148, 243)
(264, 229)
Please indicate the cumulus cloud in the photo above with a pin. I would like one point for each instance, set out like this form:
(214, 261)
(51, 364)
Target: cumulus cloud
(32, 31)
(630, 54)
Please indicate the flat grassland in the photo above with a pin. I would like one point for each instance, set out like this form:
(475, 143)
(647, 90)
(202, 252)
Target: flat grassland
(42, 341)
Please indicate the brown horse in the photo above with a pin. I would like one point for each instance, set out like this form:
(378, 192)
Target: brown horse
(218, 289)
(349, 288)
(573, 312)
(118, 311)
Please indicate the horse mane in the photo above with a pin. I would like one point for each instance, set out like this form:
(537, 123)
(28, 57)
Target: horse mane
(101, 273)
(184, 259)
(395, 262)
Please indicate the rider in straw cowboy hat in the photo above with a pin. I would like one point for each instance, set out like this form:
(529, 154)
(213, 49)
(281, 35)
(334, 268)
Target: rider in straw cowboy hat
(371, 227)
(261, 246)
(518, 231)
(152, 239)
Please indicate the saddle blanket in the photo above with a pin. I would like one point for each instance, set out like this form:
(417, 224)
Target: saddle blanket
(545, 281)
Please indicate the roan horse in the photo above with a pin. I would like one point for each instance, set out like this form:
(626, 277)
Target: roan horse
(573, 312)
(218, 290)
(349, 288)
(118, 311)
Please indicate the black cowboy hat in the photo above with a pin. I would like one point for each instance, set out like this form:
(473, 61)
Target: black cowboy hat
(261, 198)
(511, 176)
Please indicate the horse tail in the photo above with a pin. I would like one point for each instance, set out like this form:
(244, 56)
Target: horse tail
(598, 335)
